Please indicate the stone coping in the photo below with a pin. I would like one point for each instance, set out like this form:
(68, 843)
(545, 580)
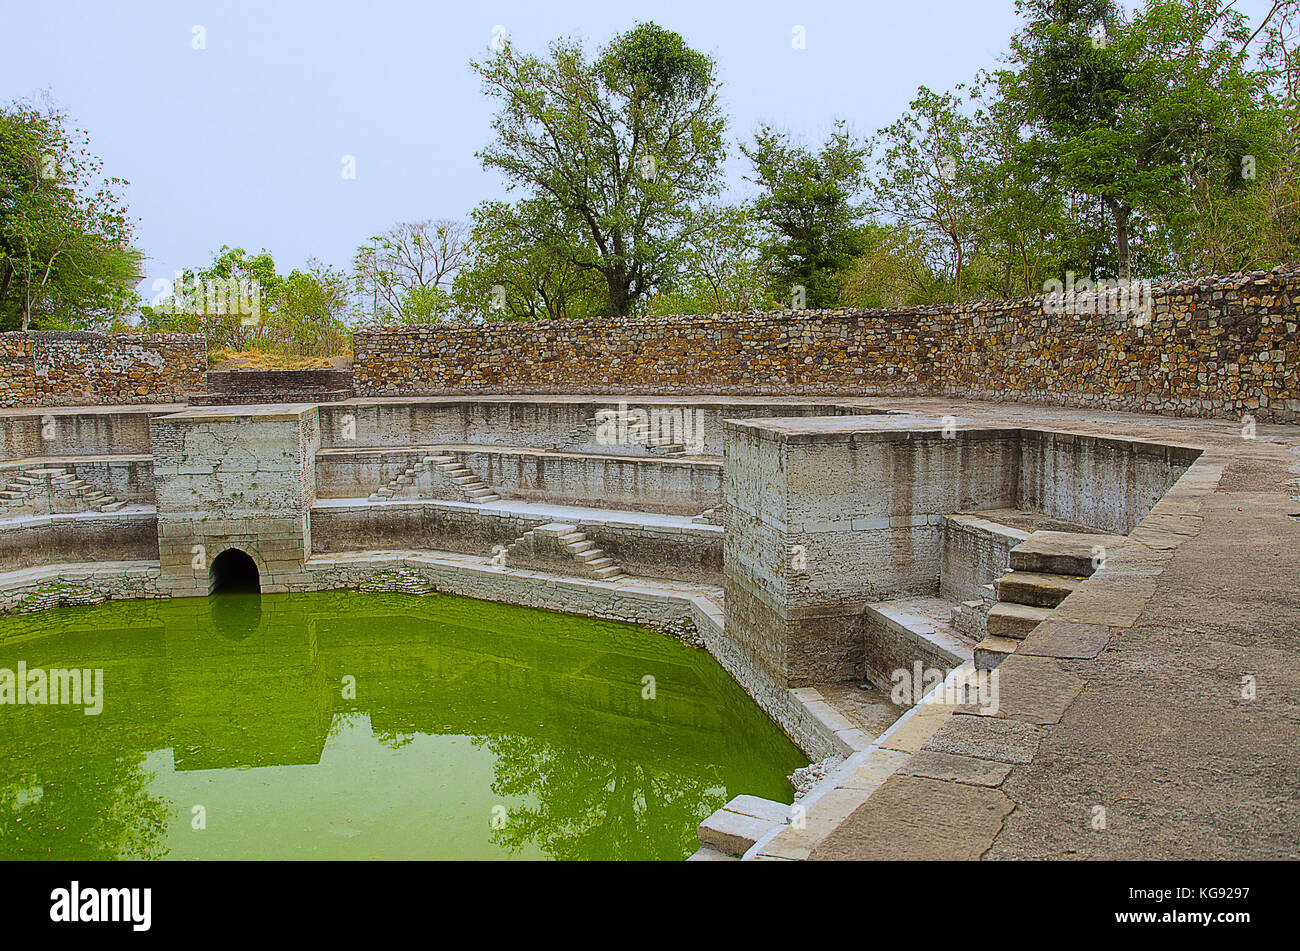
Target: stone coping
(144, 409)
(884, 429)
(41, 462)
(129, 511)
(244, 411)
(490, 450)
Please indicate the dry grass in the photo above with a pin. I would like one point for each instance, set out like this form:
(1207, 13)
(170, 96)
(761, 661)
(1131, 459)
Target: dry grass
(261, 360)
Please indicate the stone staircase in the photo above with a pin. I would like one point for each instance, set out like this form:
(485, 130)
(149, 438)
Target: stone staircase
(734, 829)
(561, 548)
(247, 386)
(1045, 570)
(52, 489)
(638, 433)
(449, 470)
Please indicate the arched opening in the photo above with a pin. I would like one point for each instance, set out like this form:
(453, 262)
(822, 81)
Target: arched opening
(234, 572)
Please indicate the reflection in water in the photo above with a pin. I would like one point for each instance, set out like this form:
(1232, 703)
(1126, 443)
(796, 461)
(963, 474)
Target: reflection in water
(235, 615)
(346, 725)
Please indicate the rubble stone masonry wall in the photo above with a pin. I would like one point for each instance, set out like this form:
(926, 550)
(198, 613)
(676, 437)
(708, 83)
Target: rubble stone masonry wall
(77, 368)
(1218, 347)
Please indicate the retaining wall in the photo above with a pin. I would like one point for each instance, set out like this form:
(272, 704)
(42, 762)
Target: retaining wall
(77, 368)
(1218, 347)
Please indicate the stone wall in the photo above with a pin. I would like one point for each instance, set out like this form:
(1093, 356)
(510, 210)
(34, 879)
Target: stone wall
(1218, 347)
(674, 487)
(649, 551)
(76, 368)
(234, 480)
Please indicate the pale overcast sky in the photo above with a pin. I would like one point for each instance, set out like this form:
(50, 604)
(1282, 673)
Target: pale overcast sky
(242, 142)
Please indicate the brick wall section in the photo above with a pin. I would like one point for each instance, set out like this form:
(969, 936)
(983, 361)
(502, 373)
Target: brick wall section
(1219, 347)
(75, 368)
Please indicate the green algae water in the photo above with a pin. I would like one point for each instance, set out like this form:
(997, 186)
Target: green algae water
(345, 725)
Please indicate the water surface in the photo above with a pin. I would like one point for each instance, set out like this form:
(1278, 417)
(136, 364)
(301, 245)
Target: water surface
(346, 725)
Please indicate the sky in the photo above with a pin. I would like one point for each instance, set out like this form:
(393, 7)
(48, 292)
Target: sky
(234, 122)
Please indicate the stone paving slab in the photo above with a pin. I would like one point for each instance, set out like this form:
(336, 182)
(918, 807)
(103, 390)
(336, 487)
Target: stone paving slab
(1067, 639)
(1030, 689)
(917, 818)
(1003, 741)
(954, 768)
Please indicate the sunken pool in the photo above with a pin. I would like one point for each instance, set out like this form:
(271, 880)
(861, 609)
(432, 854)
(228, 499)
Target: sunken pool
(350, 725)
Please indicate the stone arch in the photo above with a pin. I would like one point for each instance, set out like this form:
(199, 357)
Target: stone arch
(234, 571)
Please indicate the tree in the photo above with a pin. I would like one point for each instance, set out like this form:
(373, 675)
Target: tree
(66, 256)
(520, 269)
(893, 270)
(722, 268)
(1138, 110)
(807, 205)
(927, 177)
(622, 148)
(241, 303)
(405, 275)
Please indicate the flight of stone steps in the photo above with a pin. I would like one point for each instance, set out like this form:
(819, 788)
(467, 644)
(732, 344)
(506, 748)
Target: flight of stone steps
(53, 489)
(1045, 569)
(637, 432)
(467, 485)
(561, 547)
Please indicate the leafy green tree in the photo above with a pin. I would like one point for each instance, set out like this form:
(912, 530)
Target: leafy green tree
(927, 180)
(241, 303)
(406, 274)
(807, 203)
(721, 269)
(622, 148)
(66, 254)
(520, 267)
(894, 269)
(1138, 109)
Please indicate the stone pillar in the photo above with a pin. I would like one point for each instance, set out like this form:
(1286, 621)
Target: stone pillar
(234, 478)
(827, 515)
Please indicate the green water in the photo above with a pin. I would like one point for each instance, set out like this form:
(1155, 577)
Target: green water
(349, 726)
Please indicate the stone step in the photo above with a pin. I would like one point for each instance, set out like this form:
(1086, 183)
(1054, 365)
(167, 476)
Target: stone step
(579, 547)
(479, 495)
(1036, 588)
(707, 853)
(734, 828)
(113, 506)
(9, 495)
(604, 561)
(1015, 620)
(993, 650)
(609, 572)
(1062, 553)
